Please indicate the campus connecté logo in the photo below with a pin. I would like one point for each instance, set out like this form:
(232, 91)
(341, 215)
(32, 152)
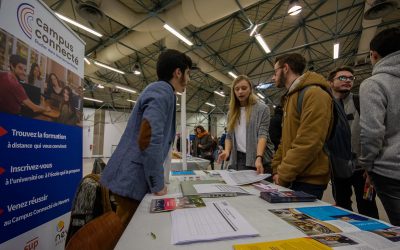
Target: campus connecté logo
(25, 13)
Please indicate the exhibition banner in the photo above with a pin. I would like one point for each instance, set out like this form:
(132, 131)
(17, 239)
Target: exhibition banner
(41, 70)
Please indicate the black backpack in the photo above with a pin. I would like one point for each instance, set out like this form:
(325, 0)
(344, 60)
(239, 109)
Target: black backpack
(338, 144)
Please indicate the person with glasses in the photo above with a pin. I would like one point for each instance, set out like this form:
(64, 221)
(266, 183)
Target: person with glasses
(300, 162)
(380, 119)
(341, 80)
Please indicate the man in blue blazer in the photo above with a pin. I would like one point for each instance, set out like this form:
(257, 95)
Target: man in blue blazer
(136, 166)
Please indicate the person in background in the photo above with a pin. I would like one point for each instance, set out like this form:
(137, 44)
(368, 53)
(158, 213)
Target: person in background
(12, 94)
(53, 90)
(275, 127)
(136, 166)
(178, 142)
(247, 142)
(34, 77)
(380, 119)
(67, 110)
(300, 162)
(203, 145)
(222, 139)
(341, 80)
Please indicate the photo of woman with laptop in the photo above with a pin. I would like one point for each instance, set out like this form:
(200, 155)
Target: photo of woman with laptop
(49, 92)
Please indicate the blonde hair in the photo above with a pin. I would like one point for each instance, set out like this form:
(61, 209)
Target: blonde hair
(234, 104)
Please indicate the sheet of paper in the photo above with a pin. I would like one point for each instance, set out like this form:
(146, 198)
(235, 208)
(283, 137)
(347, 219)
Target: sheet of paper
(242, 177)
(218, 220)
(218, 188)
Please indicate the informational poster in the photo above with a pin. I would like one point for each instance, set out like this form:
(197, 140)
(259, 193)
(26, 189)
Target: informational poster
(41, 68)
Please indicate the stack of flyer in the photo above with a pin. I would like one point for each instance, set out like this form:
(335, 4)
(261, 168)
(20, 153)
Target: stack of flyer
(170, 204)
(329, 227)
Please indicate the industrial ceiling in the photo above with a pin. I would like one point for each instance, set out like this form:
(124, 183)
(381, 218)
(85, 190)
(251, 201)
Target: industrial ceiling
(133, 36)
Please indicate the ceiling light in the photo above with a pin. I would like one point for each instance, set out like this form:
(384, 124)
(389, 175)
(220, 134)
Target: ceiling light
(210, 104)
(262, 43)
(86, 60)
(79, 25)
(109, 67)
(254, 30)
(126, 89)
(177, 34)
(202, 111)
(91, 99)
(219, 93)
(336, 51)
(232, 74)
(294, 8)
(129, 100)
(261, 96)
(136, 72)
(100, 86)
(265, 85)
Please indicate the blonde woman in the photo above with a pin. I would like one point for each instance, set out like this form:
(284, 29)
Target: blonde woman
(247, 141)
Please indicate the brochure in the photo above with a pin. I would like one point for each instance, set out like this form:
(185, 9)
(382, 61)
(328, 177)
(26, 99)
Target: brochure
(382, 239)
(169, 204)
(326, 220)
(286, 196)
(217, 221)
(242, 177)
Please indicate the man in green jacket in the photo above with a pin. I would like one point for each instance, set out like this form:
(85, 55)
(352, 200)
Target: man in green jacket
(300, 162)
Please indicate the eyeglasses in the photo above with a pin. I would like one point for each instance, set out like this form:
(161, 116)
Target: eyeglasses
(345, 78)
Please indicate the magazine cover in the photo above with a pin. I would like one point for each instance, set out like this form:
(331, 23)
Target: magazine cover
(326, 220)
(382, 239)
(169, 204)
(286, 196)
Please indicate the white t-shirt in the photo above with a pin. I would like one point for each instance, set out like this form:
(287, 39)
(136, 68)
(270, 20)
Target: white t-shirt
(240, 131)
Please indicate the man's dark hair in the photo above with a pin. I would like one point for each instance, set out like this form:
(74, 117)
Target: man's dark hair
(332, 74)
(296, 62)
(386, 42)
(169, 61)
(16, 59)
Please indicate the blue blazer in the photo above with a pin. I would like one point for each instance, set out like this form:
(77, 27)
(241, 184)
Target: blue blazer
(136, 167)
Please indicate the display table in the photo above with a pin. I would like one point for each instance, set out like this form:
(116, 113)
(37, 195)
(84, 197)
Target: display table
(193, 163)
(153, 230)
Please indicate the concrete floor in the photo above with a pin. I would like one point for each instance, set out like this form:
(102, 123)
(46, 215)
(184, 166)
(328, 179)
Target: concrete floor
(88, 165)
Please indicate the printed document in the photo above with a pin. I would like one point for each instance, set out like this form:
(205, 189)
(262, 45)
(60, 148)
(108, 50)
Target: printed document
(218, 188)
(242, 177)
(217, 221)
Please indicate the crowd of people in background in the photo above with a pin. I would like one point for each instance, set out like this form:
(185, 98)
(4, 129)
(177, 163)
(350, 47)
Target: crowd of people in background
(299, 159)
(291, 143)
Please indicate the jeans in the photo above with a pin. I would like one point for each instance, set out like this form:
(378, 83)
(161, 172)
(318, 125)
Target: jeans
(388, 190)
(241, 162)
(342, 192)
(313, 189)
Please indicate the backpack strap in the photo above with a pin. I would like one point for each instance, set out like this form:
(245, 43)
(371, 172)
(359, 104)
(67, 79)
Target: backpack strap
(356, 101)
(105, 193)
(300, 99)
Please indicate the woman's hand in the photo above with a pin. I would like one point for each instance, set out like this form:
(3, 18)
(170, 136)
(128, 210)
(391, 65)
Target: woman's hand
(259, 165)
(223, 156)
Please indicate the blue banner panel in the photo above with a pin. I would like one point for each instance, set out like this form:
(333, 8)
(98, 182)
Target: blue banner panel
(40, 168)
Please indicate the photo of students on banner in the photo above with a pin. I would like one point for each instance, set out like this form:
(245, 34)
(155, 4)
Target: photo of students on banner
(47, 92)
